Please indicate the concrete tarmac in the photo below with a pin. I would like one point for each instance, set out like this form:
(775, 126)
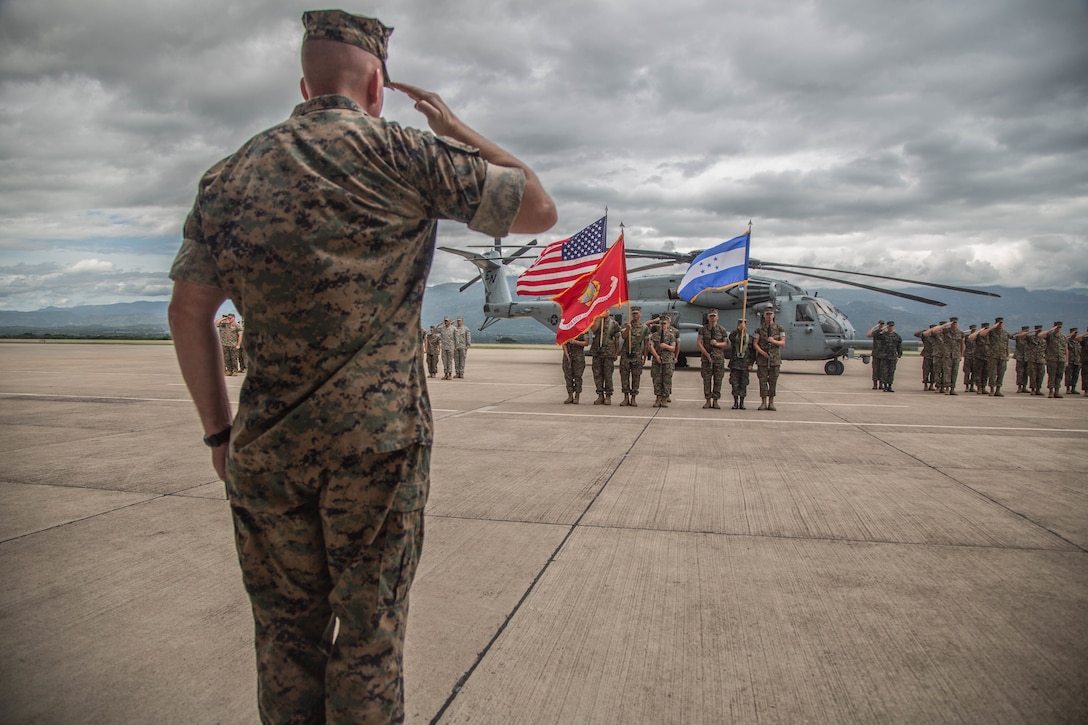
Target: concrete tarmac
(854, 557)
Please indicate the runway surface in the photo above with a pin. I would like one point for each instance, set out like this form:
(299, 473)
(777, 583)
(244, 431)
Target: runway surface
(854, 557)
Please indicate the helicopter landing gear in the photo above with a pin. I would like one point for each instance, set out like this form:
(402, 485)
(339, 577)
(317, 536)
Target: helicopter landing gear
(834, 367)
(681, 361)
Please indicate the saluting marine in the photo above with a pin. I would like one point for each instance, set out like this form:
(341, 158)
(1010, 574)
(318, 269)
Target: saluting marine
(1056, 355)
(969, 345)
(1072, 368)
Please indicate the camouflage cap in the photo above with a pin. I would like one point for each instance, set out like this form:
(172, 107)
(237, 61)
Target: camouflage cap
(953, 319)
(880, 322)
(985, 324)
(943, 322)
(1038, 327)
(1057, 324)
(1024, 327)
(711, 312)
(1072, 329)
(635, 308)
(358, 30)
(972, 327)
(891, 324)
(998, 319)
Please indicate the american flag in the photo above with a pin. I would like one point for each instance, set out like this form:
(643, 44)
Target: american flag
(561, 263)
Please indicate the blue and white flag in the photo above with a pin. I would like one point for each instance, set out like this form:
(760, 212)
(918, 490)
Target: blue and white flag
(717, 268)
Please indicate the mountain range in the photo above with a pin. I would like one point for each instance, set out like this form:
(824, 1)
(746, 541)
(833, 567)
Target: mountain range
(1017, 305)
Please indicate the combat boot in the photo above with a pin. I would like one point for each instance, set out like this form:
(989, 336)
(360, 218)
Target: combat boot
(763, 404)
(576, 397)
(952, 391)
(707, 404)
(741, 406)
(714, 404)
(665, 401)
(633, 403)
(1058, 394)
(626, 399)
(657, 401)
(608, 400)
(569, 400)
(599, 400)
(770, 403)
(736, 402)
(998, 393)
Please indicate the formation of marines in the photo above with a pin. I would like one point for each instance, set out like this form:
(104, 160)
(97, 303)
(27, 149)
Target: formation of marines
(984, 350)
(451, 342)
(658, 342)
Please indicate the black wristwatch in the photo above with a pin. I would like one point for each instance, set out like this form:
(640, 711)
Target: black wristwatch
(217, 439)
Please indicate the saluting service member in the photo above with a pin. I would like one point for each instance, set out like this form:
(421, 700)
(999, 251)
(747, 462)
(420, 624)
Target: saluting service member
(969, 345)
(1072, 367)
(1056, 355)
(927, 356)
(891, 350)
(876, 332)
(322, 230)
(1019, 356)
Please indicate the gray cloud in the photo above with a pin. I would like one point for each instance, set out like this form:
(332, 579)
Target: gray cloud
(945, 139)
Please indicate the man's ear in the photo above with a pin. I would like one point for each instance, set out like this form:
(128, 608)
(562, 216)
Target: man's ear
(375, 92)
(302, 88)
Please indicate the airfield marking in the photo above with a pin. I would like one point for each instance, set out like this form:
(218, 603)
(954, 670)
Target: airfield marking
(94, 397)
(788, 422)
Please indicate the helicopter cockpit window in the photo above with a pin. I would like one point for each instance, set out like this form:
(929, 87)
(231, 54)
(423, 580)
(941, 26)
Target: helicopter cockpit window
(805, 312)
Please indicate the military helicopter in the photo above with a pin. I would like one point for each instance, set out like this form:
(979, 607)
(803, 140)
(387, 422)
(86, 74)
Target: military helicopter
(815, 328)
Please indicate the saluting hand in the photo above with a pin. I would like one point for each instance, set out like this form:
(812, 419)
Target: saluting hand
(439, 116)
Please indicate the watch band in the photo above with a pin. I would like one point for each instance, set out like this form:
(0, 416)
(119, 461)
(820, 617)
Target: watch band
(217, 439)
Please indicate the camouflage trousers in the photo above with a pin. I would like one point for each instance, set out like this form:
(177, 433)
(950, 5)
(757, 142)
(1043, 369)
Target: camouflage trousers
(328, 556)
(1055, 374)
(940, 378)
(982, 372)
(738, 381)
(432, 363)
(603, 368)
(661, 374)
(995, 370)
(1035, 373)
(230, 358)
(1021, 373)
(927, 370)
(886, 366)
(768, 379)
(447, 361)
(713, 372)
(573, 369)
(459, 356)
(1072, 372)
(630, 373)
(950, 372)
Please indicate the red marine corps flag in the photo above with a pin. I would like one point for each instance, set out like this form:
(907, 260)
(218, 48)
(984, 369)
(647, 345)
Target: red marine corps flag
(592, 294)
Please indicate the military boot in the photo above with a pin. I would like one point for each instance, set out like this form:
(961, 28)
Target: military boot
(608, 400)
(626, 399)
(998, 393)
(707, 404)
(762, 405)
(576, 397)
(599, 400)
(633, 403)
(770, 403)
(569, 400)
(714, 404)
(657, 401)
(1057, 393)
(741, 406)
(736, 402)
(665, 401)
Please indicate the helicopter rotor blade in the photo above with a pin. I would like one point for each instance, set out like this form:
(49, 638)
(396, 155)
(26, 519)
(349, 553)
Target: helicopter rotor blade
(654, 266)
(894, 293)
(471, 282)
(523, 250)
(758, 264)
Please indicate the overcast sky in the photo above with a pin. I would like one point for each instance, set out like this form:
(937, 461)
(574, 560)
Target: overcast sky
(927, 139)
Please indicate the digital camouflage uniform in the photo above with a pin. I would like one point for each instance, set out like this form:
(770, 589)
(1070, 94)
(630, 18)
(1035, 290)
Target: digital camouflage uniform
(632, 350)
(998, 347)
(446, 338)
(1035, 356)
(311, 228)
(1072, 367)
(661, 372)
(891, 350)
(953, 353)
(742, 358)
(712, 370)
(574, 367)
(228, 340)
(982, 359)
(927, 359)
(603, 347)
(878, 359)
(767, 368)
(434, 351)
(1056, 351)
(969, 345)
(1084, 362)
(939, 347)
(1019, 351)
(462, 341)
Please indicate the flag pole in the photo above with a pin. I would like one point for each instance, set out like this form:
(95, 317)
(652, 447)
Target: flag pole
(744, 307)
